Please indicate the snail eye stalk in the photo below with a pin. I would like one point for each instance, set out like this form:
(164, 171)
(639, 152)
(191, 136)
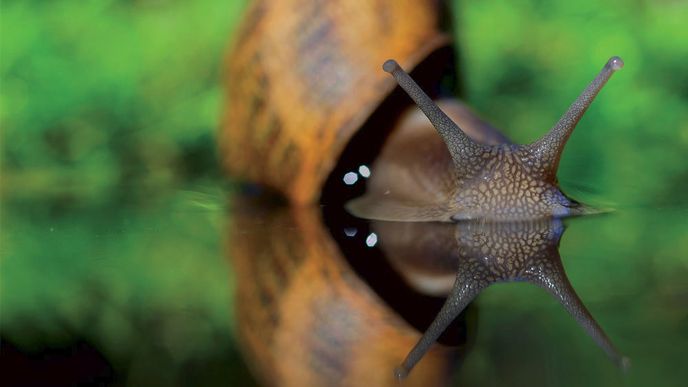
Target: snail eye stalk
(548, 149)
(461, 147)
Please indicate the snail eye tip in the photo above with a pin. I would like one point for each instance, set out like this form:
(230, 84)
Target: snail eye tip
(616, 63)
(390, 65)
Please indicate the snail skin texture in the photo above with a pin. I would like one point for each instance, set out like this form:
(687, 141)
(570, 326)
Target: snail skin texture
(463, 178)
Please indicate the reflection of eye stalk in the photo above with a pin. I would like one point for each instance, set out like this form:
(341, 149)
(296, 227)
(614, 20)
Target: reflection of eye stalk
(475, 255)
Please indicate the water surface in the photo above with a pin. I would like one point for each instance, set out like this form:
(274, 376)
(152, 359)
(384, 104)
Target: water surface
(148, 286)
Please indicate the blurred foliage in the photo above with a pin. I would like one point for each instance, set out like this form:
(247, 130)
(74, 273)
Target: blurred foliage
(100, 93)
(113, 205)
(104, 103)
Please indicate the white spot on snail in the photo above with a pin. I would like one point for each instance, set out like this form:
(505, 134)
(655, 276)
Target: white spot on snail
(350, 231)
(364, 171)
(371, 240)
(350, 178)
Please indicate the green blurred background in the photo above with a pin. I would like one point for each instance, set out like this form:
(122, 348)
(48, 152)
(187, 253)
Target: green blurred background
(113, 205)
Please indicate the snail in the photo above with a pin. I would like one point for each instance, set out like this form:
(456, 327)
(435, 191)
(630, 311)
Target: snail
(309, 104)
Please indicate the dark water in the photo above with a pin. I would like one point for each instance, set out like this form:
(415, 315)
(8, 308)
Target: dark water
(195, 286)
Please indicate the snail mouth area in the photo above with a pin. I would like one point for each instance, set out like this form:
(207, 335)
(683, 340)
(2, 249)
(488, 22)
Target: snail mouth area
(519, 214)
(549, 202)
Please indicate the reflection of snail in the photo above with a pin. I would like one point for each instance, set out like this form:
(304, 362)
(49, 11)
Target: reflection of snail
(308, 101)
(305, 318)
(476, 255)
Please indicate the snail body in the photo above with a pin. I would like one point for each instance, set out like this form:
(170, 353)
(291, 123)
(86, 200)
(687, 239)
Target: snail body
(470, 179)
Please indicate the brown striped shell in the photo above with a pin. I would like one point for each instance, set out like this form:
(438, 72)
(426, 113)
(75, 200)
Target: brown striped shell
(303, 76)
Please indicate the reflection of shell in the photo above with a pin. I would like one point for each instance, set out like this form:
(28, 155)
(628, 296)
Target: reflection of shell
(306, 319)
(304, 76)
